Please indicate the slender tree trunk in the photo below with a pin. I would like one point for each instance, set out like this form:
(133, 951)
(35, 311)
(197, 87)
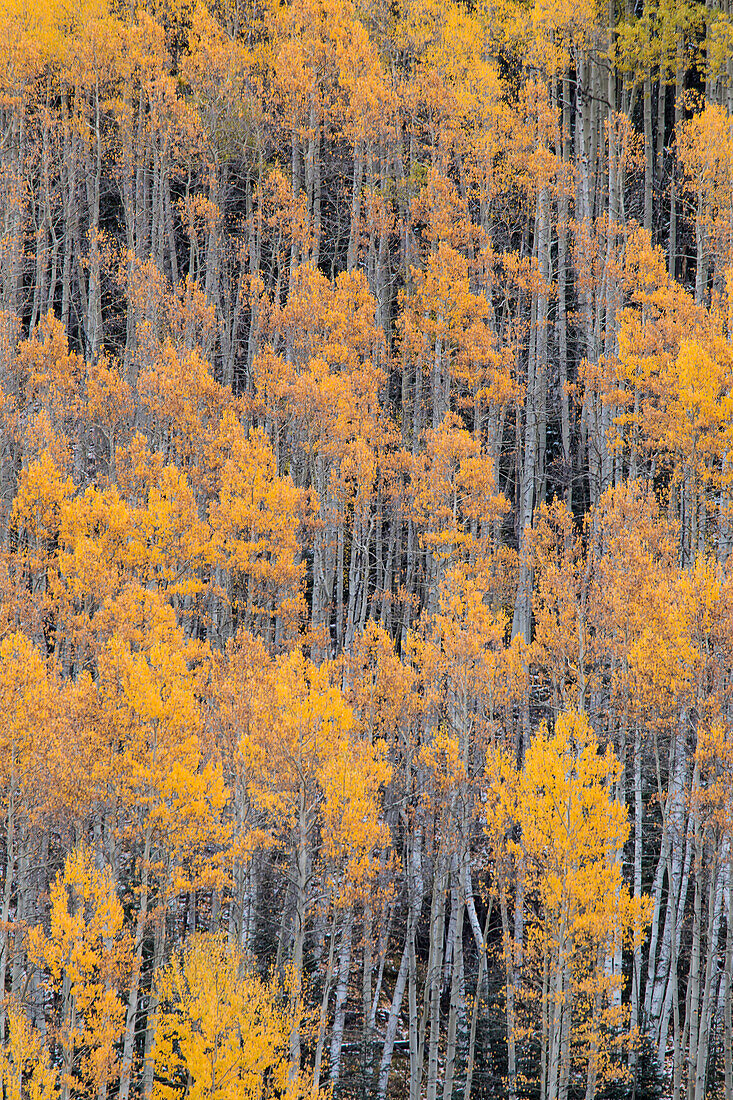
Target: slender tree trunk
(728, 983)
(342, 987)
(128, 1048)
(511, 989)
(433, 976)
(301, 903)
(416, 889)
(648, 153)
(327, 984)
(456, 992)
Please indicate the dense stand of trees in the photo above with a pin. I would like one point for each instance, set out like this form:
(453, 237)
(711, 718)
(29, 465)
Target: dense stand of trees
(366, 505)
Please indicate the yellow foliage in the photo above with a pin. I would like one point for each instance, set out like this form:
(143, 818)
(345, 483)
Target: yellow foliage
(84, 956)
(455, 499)
(254, 523)
(29, 725)
(572, 827)
(25, 1063)
(221, 1033)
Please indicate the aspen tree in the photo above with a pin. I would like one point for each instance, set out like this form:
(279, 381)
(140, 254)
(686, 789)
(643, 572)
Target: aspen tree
(25, 1064)
(85, 956)
(570, 829)
(221, 1032)
(298, 731)
(30, 726)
